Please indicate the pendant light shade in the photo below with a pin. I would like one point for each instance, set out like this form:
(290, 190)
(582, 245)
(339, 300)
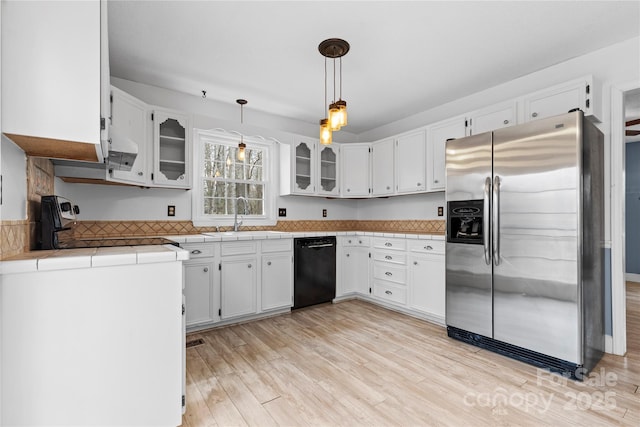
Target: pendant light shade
(241, 145)
(337, 110)
(325, 132)
(342, 114)
(335, 121)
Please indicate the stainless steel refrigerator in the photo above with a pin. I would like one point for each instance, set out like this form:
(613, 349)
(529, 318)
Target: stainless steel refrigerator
(524, 250)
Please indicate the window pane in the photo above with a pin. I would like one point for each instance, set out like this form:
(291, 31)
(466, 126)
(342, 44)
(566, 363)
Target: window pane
(225, 179)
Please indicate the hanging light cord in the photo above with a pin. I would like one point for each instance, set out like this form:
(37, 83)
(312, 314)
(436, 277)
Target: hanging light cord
(324, 107)
(334, 79)
(341, 77)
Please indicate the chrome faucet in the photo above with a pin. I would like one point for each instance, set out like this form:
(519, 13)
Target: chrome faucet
(236, 223)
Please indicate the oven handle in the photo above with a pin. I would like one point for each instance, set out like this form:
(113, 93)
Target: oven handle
(326, 245)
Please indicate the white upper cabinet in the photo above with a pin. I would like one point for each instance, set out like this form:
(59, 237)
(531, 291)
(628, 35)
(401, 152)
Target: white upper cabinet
(439, 133)
(491, 118)
(560, 99)
(355, 176)
(411, 158)
(171, 149)
(298, 167)
(52, 77)
(382, 170)
(128, 142)
(328, 167)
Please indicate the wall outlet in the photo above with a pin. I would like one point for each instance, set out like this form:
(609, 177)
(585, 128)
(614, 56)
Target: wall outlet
(171, 210)
(324, 213)
(282, 211)
(440, 211)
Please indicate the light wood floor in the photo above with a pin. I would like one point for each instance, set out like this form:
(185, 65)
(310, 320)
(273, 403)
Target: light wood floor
(355, 364)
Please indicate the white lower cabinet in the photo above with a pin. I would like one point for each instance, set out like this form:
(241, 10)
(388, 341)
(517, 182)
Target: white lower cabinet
(201, 284)
(407, 274)
(277, 274)
(353, 265)
(427, 277)
(239, 285)
(235, 279)
(390, 270)
(199, 292)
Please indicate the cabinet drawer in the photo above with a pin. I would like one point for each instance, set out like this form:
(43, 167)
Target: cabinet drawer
(277, 245)
(390, 257)
(427, 246)
(389, 243)
(389, 272)
(390, 292)
(362, 241)
(199, 250)
(238, 248)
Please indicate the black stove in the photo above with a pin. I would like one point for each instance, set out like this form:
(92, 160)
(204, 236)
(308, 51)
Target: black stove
(113, 242)
(58, 219)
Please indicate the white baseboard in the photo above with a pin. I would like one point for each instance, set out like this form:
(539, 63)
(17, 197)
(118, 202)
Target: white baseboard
(632, 277)
(608, 344)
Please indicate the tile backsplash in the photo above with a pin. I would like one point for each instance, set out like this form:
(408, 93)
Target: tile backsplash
(19, 236)
(97, 229)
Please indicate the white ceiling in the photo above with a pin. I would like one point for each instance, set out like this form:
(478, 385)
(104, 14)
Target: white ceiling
(405, 57)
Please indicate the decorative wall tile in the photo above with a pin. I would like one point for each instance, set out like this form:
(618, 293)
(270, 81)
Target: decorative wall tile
(97, 229)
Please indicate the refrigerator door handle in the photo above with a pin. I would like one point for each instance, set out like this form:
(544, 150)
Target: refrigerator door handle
(496, 220)
(486, 220)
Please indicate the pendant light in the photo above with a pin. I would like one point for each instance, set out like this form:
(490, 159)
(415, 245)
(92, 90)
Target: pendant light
(241, 145)
(326, 135)
(337, 111)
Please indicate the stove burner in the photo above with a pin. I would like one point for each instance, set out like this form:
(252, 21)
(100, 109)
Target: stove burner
(115, 241)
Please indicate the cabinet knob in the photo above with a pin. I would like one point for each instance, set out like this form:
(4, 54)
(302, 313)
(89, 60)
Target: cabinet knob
(360, 241)
(348, 255)
(419, 184)
(268, 262)
(387, 244)
(206, 269)
(534, 115)
(436, 181)
(388, 273)
(388, 188)
(506, 122)
(388, 257)
(388, 292)
(415, 262)
(349, 240)
(348, 190)
(139, 173)
(249, 266)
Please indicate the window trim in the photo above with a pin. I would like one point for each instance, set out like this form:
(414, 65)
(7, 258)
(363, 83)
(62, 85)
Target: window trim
(201, 136)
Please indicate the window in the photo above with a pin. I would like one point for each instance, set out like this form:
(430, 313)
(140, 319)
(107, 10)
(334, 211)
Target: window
(221, 179)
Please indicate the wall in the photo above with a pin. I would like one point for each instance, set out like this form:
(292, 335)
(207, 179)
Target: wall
(632, 204)
(618, 63)
(615, 63)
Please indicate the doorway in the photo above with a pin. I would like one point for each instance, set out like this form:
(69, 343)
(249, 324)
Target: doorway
(625, 107)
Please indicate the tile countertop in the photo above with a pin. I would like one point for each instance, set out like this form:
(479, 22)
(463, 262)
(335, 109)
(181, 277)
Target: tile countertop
(262, 235)
(61, 259)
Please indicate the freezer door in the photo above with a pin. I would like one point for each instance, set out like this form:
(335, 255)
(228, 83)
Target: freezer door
(536, 202)
(468, 271)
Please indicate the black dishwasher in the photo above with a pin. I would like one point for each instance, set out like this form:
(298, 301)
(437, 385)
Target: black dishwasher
(314, 271)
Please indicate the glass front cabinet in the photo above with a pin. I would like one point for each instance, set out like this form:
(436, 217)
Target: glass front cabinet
(308, 168)
(328, 170)
(304, 164)
(172, 149)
